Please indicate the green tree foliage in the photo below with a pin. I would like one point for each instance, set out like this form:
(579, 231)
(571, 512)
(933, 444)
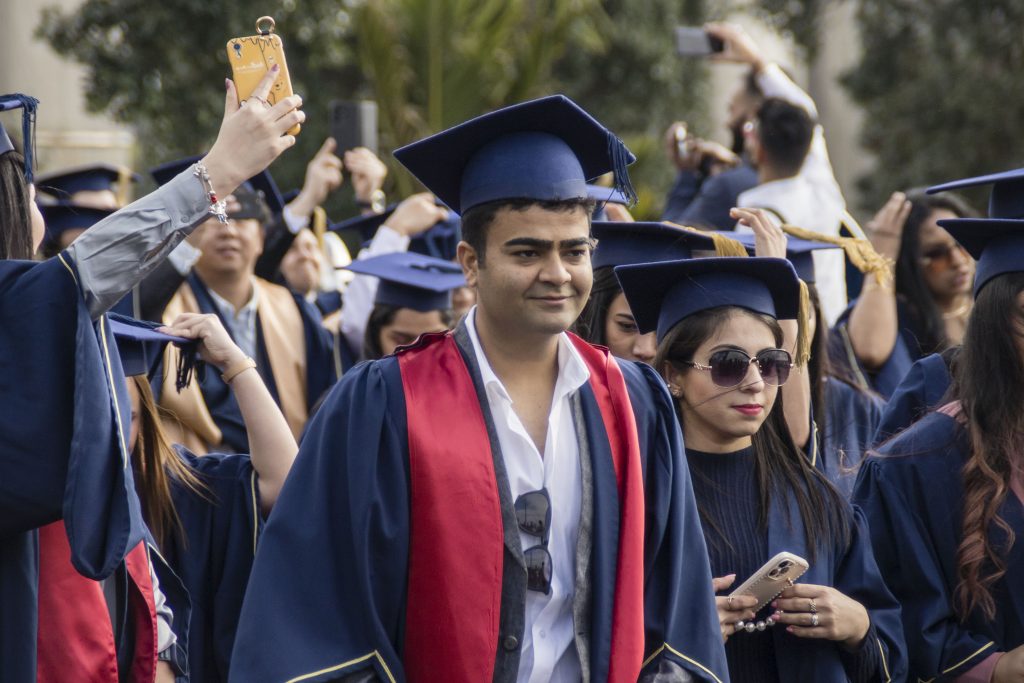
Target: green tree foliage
(428, 63)
(940, 85)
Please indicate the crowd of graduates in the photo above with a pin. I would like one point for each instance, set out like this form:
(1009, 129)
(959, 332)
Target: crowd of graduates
(499, 430)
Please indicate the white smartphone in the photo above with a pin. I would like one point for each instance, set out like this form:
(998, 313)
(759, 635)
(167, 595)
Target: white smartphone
(772, 578)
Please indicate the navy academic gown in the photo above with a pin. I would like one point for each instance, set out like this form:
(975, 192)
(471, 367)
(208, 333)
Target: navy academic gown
(885, 379)
(921, 390)
(912, 493)
(62, 444)
(327, 595)
(213, 560)
(320, 369)
(851, 421)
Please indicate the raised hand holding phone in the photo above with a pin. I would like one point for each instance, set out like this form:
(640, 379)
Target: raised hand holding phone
(251, 57)
(251, 137)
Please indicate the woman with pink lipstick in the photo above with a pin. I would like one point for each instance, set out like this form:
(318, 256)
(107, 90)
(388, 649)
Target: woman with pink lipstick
(719, 339)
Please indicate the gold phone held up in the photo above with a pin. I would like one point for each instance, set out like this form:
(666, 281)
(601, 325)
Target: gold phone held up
(253, 56)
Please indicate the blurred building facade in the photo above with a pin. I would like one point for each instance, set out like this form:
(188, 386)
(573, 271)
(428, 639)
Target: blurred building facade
(66, 134)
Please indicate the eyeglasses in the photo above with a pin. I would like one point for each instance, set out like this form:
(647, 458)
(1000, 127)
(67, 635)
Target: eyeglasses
(533, 512)
(729, 366)
(941, 255)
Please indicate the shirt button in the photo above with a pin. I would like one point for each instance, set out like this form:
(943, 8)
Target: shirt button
(511, 643)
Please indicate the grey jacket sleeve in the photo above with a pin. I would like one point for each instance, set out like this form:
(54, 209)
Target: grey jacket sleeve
(119, 251)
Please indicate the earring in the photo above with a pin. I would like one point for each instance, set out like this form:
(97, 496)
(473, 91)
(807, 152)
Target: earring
(675, 390)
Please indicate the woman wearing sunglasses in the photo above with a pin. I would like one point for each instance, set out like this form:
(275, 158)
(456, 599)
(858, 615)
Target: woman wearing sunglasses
(945, 498)
(719, 338)
(924, 309)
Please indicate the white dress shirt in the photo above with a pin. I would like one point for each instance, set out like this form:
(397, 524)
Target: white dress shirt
(548, 650)
(811, 199)
(362, 290)
(241, 324)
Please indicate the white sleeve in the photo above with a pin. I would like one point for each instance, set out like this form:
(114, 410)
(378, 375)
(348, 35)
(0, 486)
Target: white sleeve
(360, 293)
(295, 223)
(164, 616)
(118, 252)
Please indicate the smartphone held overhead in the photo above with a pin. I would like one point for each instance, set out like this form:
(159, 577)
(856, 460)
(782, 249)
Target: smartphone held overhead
(694, 41)
(253, 56)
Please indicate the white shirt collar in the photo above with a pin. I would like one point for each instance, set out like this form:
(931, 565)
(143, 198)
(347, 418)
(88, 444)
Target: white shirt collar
(572, 370)
(228, 311)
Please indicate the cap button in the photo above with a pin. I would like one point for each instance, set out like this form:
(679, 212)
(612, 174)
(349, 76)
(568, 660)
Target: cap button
(510, 643)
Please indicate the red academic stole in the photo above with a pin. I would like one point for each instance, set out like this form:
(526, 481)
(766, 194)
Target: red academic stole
(456, 545)
(76, 639)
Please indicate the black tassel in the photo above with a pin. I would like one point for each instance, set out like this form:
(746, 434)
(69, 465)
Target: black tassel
(28, 130)
(620, 155)
(187, 361)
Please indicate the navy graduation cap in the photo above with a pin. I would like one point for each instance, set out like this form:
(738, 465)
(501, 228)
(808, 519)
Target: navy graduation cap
(63, 216)
(28, 107)
(440, 241)
(65, 182)
(141, 348)
(995, 242)
(799, 252)
(262, 183)
(544, 149)
(620, 244)
(410, 280)
(662, 294)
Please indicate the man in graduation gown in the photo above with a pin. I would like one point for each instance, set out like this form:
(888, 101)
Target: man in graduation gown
(502, 502)
(279, 330)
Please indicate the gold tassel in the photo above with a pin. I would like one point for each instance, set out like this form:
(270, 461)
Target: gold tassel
(803, 326)
(319, 225)
(724, 246)
(124, 182)
(860, 252)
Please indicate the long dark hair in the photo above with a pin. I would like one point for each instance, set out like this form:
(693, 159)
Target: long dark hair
(15, 213)
(911, 287)
(990, 382)
(156, 464)
(383, 315)
(592, 321)
(782, 469)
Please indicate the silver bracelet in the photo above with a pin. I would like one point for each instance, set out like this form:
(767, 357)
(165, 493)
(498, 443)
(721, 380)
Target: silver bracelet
(218, 207)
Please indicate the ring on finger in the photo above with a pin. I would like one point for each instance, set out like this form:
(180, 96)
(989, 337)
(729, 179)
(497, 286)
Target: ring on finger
(814, 620)
(814, 608)
(259, 99)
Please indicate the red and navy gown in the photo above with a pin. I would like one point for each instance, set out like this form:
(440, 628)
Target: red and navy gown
(384, 557)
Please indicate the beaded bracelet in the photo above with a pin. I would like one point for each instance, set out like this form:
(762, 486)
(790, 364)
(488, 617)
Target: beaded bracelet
(218, 207)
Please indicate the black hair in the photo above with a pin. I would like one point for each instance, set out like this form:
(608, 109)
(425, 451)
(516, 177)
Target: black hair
(592, 321)
(925, 319)
(478, 219)
(383, 315)
(15, 209)
(782, 469)
(784, 132)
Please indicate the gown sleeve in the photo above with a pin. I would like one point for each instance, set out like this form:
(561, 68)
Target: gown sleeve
(682, 641)
(326, 597)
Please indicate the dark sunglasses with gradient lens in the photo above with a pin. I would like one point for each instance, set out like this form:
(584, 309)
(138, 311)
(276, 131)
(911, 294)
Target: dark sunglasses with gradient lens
(729, 366)
(533, 513)
(940, 256)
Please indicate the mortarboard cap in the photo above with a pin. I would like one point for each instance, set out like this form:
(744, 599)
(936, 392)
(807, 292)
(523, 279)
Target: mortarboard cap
(64, 216)
(141, 348)
(440, 241)
(662, 294)
(544, 149)
(262, 183)
(366, 225)
(28, 107)
(410, 280)
(604, 195)
(799, 252)
(620, 244)
(995, 242)
(1007, 198)
(65, 182)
